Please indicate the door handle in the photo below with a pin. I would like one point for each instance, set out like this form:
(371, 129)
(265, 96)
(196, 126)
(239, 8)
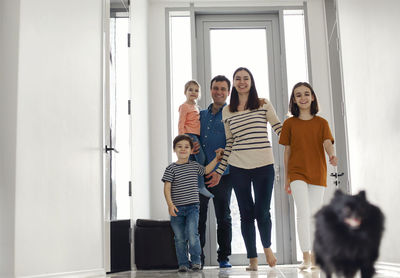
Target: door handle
(107, 149)
(336, 175)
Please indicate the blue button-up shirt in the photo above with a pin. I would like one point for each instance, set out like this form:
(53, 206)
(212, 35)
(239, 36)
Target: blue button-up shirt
(212, 133)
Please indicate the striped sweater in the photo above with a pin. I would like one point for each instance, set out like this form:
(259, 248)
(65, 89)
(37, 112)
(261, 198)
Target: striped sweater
(247, 143)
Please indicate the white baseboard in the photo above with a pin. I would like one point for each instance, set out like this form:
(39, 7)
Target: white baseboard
(393, 268)
(94, 273)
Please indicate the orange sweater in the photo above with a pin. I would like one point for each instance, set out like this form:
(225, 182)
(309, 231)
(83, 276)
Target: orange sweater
(189, 119)
(307, 156)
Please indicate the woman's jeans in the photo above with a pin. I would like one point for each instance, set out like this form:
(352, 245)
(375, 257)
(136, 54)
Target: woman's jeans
(262, 179)
(185, 227)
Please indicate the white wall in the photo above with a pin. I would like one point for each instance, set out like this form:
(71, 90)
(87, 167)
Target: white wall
(59, 186)
(158, 120)
(9, 26)
(141, 101)
(370, 54)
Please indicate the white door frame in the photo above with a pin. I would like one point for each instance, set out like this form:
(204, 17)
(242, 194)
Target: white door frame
(109, 137)
(338, 104)
(106, 120)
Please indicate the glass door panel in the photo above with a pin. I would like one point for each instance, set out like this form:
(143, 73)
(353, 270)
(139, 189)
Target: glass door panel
(247, 48)
(224, 44)
(119, 119)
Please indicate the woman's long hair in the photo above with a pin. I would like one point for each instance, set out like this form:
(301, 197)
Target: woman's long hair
(252, 102)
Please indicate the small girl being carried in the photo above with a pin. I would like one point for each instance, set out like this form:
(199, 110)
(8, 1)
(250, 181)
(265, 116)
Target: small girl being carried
(189, 124)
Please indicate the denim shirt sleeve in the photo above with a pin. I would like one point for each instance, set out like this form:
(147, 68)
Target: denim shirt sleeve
(212, 134)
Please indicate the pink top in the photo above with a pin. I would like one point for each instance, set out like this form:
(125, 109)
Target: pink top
(189, 119)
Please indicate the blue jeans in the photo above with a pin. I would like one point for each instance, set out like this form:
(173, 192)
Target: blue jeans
(262, 179)
(222, 200)
(201, 159)
(185, 227)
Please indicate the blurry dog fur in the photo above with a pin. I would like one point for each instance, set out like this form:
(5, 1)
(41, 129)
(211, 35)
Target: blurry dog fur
(347, 235)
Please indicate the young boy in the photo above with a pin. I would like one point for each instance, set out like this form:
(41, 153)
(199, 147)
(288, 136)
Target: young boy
(182, 196)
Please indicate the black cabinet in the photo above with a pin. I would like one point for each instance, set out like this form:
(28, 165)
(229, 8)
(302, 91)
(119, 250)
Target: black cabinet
(154, 245)
(120, 245)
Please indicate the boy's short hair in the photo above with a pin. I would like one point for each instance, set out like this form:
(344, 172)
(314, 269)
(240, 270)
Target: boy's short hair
(183, 137)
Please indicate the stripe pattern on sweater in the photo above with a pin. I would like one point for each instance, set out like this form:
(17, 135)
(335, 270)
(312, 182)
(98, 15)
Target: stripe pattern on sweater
(247, 135)
(184, 182)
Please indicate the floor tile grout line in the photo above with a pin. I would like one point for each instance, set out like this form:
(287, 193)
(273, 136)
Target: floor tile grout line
(283, 275)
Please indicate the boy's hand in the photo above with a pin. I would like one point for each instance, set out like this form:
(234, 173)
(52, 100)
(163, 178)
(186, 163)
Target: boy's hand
(219, 154)
(196, 147)
(172, 209)
(333, 160)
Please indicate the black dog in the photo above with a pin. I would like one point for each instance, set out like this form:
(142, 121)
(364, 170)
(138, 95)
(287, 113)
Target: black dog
(347, 235)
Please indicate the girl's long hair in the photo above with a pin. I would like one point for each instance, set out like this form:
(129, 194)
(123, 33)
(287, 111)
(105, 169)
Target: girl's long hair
(252, 102)
(294, 108)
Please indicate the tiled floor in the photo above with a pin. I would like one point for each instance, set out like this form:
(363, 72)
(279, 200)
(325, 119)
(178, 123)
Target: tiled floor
(281, 271)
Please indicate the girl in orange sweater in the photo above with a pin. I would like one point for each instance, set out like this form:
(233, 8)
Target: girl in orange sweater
(306, 138)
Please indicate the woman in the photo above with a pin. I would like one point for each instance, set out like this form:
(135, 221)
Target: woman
(249, 154)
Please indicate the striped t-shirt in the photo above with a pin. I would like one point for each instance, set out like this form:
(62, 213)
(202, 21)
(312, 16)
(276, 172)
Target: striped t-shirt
(247, 143)
(184, 184)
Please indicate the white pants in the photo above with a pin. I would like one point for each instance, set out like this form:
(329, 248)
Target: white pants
(308, 200)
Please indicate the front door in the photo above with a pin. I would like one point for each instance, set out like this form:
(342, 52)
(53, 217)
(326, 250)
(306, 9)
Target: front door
(224, 43)
(117, 137)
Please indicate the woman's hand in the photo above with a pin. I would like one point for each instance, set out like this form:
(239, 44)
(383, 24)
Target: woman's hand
(333, 160)
(214, 179)
(287, 187)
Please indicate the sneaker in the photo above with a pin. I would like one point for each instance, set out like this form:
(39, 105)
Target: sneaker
(224, 264)
(196, 267)
(183, 268)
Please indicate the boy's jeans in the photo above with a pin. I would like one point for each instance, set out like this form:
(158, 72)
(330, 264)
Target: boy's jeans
(185, 226)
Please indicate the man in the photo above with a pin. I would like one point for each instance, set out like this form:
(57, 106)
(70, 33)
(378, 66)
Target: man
(212, 137)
